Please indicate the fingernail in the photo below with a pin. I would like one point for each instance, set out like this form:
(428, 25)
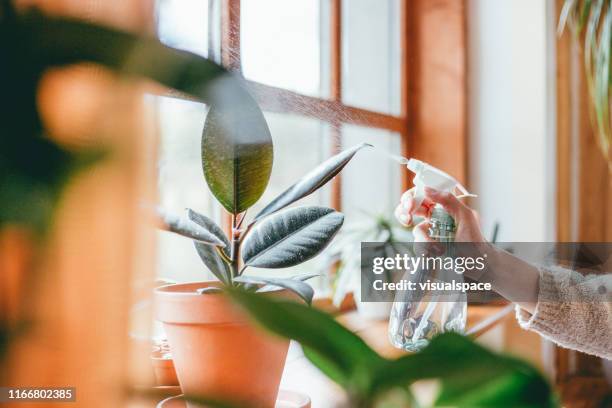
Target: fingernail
(403, 218)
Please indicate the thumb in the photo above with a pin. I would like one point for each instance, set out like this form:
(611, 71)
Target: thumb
(447, 200)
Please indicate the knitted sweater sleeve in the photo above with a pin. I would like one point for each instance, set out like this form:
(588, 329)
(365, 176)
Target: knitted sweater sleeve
(573, 310)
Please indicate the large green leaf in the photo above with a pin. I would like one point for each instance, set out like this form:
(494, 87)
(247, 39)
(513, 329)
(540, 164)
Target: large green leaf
(299, 287)
(211, 256)
(290, 237)
(471, 376)
(311, 182)
(237, 153)
(335, 350)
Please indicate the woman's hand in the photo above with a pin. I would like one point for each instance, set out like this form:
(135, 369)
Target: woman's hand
(468, 228)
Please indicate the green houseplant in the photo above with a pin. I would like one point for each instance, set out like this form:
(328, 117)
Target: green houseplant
(243, 365)
(593, 19)
(468, 375)
(343, 260)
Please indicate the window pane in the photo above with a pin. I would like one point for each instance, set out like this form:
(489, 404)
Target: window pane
(184, 24)
(280, 43)
(181, 184)
(300, 144)
(371, 54)
(371, 183)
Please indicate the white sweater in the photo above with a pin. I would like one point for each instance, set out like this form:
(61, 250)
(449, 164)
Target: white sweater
(573, 310)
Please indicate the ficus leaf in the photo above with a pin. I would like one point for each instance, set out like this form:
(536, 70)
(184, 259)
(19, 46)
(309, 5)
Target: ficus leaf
(302, 277)
(290, 237)
(311, 182)
(188, 228)
(237, 153)
(210, 256)
(300, 288)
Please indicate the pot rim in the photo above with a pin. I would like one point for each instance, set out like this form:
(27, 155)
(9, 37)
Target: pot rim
(179, 303)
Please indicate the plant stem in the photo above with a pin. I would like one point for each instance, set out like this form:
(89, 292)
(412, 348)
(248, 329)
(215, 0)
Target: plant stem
(235, 248)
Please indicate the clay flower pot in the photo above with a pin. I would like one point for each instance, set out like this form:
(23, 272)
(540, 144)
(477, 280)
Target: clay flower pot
(217, 351)
(163, 368)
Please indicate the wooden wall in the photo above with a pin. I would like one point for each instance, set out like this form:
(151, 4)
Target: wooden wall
(437, 84)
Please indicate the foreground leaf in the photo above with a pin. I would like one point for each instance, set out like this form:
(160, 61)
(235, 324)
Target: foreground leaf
(335, 350)
(311, 182)
(300, 288)
(471, 376)
(290, 237)
(236, 153)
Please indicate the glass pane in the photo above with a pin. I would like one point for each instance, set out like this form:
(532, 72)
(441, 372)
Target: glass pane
(371, 183)
(181, 184)
(184, 24)
(280, 43)
(371, 54)
(300, 144)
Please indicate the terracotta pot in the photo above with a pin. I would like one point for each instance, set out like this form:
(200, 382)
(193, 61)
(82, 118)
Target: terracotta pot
(217, 351)
(163, 368)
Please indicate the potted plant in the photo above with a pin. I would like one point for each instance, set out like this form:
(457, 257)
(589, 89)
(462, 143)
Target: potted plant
(216, 350)
(238, 156)
(344, 260)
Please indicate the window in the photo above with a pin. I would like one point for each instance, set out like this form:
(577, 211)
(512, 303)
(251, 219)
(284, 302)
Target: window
(327, 73)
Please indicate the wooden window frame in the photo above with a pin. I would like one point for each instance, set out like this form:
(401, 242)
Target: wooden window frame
(331, 110)
(432, 123)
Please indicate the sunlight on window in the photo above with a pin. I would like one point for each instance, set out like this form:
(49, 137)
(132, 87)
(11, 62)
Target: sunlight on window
(370, 184)
(300, 144)
(181, 184)
(280, 43)
(184, 24)
(371, 54)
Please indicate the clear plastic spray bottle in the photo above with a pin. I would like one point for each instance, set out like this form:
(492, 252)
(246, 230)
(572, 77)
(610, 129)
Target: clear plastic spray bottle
(414, 321)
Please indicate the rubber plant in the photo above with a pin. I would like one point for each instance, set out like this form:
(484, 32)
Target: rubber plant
(237, 163)
(593, 19)
(468, 374)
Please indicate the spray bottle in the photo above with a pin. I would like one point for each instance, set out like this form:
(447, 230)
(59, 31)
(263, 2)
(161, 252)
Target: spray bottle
(414, 320)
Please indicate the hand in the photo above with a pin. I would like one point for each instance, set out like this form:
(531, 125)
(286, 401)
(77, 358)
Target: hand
(468, 228)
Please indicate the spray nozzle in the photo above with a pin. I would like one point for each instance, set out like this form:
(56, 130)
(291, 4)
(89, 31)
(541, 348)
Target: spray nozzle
(426, 175)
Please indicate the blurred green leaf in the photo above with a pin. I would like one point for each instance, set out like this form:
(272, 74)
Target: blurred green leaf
(335, 350)
(311, 181)
(470, 375)
(594, 19)
(290, 237)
